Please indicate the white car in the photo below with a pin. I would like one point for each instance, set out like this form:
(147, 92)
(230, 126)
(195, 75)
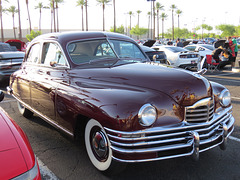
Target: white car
(202, 49)
(180, 57)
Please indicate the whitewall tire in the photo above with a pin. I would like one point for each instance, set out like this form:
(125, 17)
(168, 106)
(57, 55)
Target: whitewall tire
(98, 145)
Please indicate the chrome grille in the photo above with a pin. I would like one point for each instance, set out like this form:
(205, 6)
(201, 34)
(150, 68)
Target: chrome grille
(201, 111)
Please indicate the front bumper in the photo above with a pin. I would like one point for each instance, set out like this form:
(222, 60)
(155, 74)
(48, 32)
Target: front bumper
(160, 143)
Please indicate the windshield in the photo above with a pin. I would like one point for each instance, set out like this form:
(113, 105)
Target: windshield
(176, 49)
(208, 47)
(103, 53)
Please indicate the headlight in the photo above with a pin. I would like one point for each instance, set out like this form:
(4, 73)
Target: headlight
(147, 115)
(225, 98)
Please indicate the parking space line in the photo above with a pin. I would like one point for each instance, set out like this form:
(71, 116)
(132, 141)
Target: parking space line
(234, 138)
(235, 98)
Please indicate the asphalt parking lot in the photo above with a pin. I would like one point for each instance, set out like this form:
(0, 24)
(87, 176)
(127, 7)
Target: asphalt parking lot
(62, 158)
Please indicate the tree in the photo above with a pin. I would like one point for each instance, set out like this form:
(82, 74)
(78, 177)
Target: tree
(19, 21)
(82, 4)
(149, 17)
(40, 7)
(53, 22)
(119, 29)
(56, 7)
(12, 10)
(158, 8)
(32, 35)
(103, 4)
(227, 30)
(173, 7)
(1, 11)
(138, 31)
(86, 4)
(178, 12)
(138, 13)
(29, 20)
(163, 16)
(130, 13)
(114, 16)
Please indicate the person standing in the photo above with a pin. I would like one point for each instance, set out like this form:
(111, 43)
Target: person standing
(179, 43)
(235, 49)
(232, 57)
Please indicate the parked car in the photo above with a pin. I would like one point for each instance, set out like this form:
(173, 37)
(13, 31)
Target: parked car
(17, 160)
(5, 47)
(180, 57)
(102, 86)
(154, 55)
(19, 45)
(202, 49)
(9, 62)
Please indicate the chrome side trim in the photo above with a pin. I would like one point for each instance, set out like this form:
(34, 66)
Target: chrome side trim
(48, 120)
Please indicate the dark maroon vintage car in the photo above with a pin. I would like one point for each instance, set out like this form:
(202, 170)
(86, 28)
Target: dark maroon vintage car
(104, 87)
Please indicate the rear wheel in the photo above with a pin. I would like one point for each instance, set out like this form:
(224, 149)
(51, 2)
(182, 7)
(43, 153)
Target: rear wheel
(99, 150)
(24, 111)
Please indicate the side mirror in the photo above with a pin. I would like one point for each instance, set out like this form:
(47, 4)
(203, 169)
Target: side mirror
(1, 95)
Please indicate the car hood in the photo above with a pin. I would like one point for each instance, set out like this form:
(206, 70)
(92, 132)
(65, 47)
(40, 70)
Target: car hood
(149, 43)
(12, 162)
(183, 86)
(221, 42)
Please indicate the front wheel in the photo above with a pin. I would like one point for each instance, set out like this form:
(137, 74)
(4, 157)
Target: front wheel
(99, 150)
(24, 111)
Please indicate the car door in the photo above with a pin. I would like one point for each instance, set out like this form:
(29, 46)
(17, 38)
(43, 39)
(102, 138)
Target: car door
(50, 71)
(22, 81)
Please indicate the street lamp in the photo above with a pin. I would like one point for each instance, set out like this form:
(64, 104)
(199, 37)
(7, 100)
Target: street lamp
(203, 20)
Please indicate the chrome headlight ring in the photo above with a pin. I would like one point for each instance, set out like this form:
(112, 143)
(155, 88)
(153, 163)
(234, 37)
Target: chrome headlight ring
(147, 115)
(225, 98)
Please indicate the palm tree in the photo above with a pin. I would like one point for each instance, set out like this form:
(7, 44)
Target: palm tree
(149, 17)
(19, 21)
(138, 13)
(86, 4)
(114, 16)
(173, 7)
(40, 7)
(53, 22)
(12, 10)
(1, 11)
(103, 4)
(158, 7)
(82, 4)
(163, 16)
(30, 26)
(130, 13)
(56, 7)
(178, 12)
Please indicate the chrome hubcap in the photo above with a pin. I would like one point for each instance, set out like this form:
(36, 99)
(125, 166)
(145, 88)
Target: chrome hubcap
(100, 145)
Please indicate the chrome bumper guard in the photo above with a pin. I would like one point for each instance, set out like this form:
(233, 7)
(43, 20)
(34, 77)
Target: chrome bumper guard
(186, 139)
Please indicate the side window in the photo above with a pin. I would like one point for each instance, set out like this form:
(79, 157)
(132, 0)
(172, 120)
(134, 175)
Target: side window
(52, 55)
(33, 55)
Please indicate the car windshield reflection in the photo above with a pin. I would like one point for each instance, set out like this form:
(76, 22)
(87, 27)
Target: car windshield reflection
(103, 53)
(176, 49)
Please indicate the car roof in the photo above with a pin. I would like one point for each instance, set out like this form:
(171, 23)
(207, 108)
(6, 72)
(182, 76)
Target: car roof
(80, 35)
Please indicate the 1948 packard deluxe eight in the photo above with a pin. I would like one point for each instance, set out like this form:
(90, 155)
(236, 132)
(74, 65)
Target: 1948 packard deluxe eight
(103, 86)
